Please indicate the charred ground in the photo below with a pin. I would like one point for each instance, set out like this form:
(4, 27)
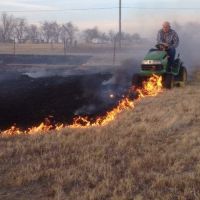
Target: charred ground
(36, 87)
(27, 101)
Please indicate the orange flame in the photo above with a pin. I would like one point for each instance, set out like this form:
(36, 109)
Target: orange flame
(84, 122)
(151, 87)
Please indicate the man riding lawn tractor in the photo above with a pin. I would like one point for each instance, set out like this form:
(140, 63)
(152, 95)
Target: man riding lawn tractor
(161, 61)
(169, 38)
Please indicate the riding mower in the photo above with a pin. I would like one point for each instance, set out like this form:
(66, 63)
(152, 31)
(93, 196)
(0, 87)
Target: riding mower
(157, 62)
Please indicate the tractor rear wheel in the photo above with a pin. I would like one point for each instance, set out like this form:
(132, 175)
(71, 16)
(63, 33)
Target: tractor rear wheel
(169, 81)
(183, 76)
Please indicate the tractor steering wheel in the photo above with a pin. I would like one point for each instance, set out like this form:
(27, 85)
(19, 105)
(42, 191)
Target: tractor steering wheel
(162, 46)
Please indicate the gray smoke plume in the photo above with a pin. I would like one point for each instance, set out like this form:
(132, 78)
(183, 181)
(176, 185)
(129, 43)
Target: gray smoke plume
(188, 49)
(189, 44)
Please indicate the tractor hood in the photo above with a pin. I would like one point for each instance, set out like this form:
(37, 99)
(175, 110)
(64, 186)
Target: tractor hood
(155, 55)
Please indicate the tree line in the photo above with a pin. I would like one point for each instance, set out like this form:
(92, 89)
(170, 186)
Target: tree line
(19, 30)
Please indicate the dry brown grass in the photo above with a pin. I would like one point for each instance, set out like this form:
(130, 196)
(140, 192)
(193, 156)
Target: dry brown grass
(58, 48)
(82, 48)
(152, 152)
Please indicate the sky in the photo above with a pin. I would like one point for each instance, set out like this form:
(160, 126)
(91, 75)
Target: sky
(143, 16)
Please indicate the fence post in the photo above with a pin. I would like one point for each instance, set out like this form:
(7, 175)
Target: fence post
(14, 47)
(65, 47)
(114, 50)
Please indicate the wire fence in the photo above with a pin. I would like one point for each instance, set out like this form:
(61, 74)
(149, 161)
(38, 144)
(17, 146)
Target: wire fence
(101, 8)
(59, 48)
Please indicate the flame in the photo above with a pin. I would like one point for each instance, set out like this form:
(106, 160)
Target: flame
(151, 87)
(12, 131)
(81, 122)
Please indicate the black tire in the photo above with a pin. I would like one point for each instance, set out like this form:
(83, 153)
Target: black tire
(183, 75)
(169, 81)
(136, 80)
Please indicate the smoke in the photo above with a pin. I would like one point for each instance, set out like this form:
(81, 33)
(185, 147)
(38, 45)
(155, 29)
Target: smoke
(189, 44)
(188, 50)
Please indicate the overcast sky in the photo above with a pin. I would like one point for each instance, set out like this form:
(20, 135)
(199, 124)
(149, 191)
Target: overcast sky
(144, 16)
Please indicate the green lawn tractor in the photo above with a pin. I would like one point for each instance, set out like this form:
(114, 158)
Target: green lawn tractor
(157, 62)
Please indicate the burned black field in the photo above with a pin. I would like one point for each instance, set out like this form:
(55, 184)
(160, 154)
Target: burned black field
(27, 99)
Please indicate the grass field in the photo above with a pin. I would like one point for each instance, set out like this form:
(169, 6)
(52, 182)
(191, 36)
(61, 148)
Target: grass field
(58, 48)
(149, 153)
(101, 53)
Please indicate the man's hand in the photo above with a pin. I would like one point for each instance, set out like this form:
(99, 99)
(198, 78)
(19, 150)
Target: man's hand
(166, 45)
(162, 46)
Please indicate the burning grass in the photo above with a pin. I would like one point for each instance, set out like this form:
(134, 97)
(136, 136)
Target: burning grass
(151, 87)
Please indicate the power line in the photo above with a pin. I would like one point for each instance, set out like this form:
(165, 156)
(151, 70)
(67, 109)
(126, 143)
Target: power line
(162, 8)
(100, 8)
(61, 10)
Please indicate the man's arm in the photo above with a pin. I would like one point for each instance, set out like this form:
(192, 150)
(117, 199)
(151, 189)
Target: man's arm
(159, 37)
(175, 40)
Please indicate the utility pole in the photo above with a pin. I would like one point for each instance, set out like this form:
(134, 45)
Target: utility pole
(120, 24)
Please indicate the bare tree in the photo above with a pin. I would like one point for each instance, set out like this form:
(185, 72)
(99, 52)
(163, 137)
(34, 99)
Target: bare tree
(55, 29)
(91, 34)
(103, 37)
(46, 31)
(21, 29)
(68, 32)
(51, 31)
(7, 27)
(94, 35)
(33, 33)
(112, 35)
